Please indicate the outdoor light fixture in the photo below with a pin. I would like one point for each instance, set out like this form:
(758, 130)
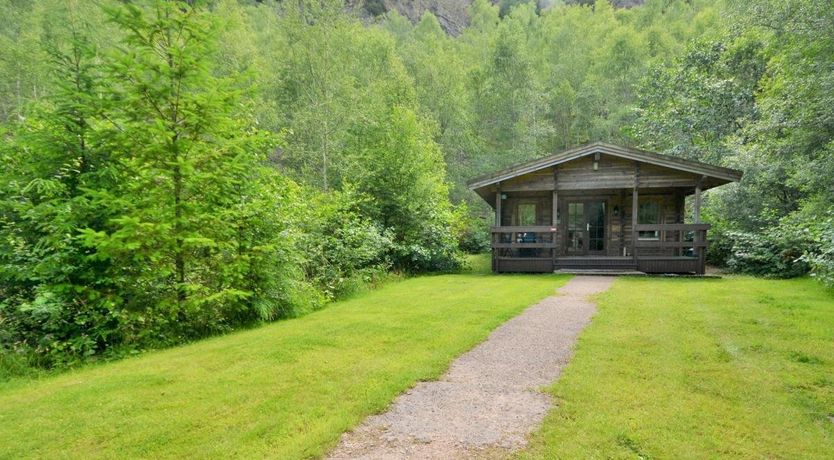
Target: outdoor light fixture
(596, 161)
(616, 210)
(503, 196)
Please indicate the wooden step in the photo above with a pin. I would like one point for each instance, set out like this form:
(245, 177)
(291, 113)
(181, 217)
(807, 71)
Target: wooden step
(595, 263)
(599, 272)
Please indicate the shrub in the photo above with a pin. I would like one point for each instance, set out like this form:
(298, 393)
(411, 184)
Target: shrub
(400, 169)
(471, 231)
(344, 251)
(375, 7)
(720, 248)
(776, 253)
(821, 259)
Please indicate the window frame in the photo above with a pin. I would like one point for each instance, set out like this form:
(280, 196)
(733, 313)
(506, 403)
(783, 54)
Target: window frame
(648, 235)
(520, 216)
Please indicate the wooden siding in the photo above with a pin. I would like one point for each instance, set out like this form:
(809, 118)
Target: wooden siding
(611, 173)
(522, 265)
(612, 182)
(618, 228)
(614, 172)
(714, 175)
(542, 200)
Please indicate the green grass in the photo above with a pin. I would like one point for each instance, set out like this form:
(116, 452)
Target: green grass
(479, 264)
(286, 390)
(687, 368)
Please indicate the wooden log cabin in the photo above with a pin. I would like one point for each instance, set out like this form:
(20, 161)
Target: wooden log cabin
(600, 207)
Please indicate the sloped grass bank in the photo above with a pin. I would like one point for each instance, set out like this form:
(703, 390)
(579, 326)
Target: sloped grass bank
(688, 368)
(286, 390)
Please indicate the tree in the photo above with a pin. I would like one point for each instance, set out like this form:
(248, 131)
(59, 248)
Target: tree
(52, 160)
(138, 208)
(757, 97)
(400, 167)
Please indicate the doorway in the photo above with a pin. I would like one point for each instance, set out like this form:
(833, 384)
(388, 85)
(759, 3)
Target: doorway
(585, 233)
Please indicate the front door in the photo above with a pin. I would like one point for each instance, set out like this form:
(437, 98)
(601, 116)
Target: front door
(585, 228)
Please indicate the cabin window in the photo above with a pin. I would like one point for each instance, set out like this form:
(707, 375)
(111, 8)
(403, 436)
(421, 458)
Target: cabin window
(527, 214)
(648, 214)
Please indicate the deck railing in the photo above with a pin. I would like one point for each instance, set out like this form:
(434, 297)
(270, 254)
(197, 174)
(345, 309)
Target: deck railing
(674, 236)
(673, 248)
(524, 237)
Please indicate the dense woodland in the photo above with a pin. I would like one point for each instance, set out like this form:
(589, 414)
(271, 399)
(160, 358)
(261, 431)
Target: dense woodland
(173, 170)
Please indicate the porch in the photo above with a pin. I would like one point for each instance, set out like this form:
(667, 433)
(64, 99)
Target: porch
(678, 248)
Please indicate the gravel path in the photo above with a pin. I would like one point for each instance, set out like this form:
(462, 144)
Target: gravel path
(489, 400)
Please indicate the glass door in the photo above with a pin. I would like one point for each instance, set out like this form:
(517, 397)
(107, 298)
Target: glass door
(577, 233)
(585, 228)
(595, 211)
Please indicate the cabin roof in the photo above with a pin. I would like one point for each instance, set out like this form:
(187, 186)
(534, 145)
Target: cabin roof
(724, 175)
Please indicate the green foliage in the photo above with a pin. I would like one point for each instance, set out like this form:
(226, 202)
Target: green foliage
(143, 206)
(401, 169)
(770, 254)
(173, 171)
(50, 303)
(344, 250)
(822, 260)
(138, 209)
(472, 231)
(521, 83)
(375, 7)
(756, 96)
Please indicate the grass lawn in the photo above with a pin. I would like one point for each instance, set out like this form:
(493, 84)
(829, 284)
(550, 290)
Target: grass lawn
(285, 390)
(687, 368)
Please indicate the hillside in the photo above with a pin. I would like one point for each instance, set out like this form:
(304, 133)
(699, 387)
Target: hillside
(453, 14)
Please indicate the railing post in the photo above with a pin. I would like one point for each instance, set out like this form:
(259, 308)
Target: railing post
(701, 238)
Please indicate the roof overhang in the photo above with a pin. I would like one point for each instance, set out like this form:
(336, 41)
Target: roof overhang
(695, 167)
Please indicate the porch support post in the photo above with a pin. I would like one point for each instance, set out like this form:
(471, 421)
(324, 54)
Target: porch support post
(634, 202)
(495, 237)
(554, 219)
(700, 235)
(634, 207)
(498, 206)
(697, 207)
(555, 196)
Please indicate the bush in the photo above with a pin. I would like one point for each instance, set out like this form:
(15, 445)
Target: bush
(720, 248)
(821, 259)
(344, 251)
(375, 7)
(471, 231)
(776, 253)
(400, 169)
(798, 245)
(428, 247)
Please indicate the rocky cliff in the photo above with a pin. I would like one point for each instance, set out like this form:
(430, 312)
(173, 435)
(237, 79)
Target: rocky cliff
(452, 14)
